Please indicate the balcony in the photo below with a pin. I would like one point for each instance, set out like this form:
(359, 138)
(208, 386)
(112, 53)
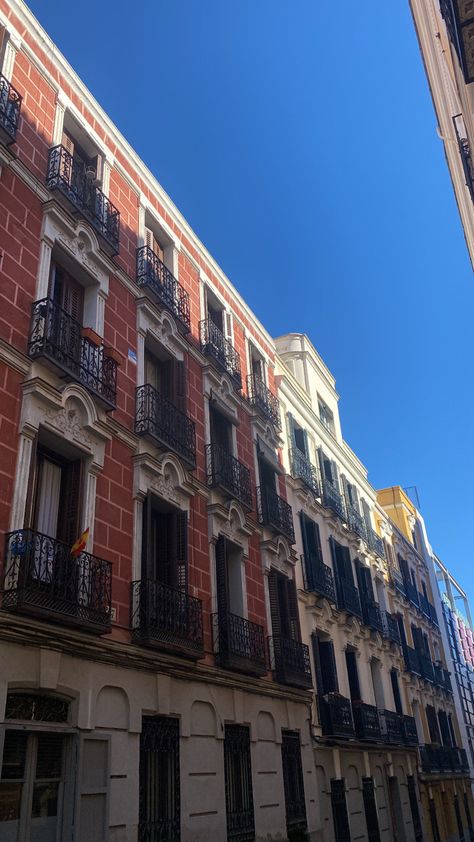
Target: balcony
(375, 542)
(263, 400)
(154, 277)
(436, 759)
(390, 627)
(275, 512)
(317, 577)
(10, 106)
(410, 735)
(348, 597)
(412, 660)
(460, 25)
(397, 581)
(426, 667)
(41, 579)
(289, 662)
(442, 677)
(301, 468)
(391, 727)
(411, 593)
(239, 644)
(165, 618)
(333, 500)
(58, 339)
(424, 605)
(366, 722)
(83, 198)
(226, 472)
(158, 418)
(356, 523)
(336, 716)
(215, 345)
(372, 615)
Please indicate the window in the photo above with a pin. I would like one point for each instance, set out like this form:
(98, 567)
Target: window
(414, 807)
(56, 495)
(353, 675)
(297, 436)
(342, 561)
(257, 364)
(238, 784)
(159, 801)
(340, 816)
(229, 578)
(325, 665)
(283, 606)
(296, 824)
(329, 470)
(370, 810)
(164, 544)
(397, 699)
(167, 375)
(325, 415)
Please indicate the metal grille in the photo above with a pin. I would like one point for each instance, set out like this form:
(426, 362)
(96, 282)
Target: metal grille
(303, 469)
(56, 335)
(275, 512)
(159, 796)
(336, 715)
(215, 345)
(239, 643)
(415, 809)
(152, 274)
(318, 577)
(238, 784)
(84, 197)
(370, 809)
(162, 613)
(289, 659)
(10, 105)
(36, 707)
(434, 821)
(366, 721)
(226, 471)
(339, 811)
(157, 417)
(467, 810)
(348, 597)
(263, 399)
(296, 823)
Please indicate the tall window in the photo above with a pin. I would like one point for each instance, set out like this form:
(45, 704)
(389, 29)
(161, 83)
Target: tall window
(325, 415)
(165, 543)
(370, 810)
(340, 816)
(296, 824)
(159, 804)
(238, 784)
(283, 606)
(414, 807)
(166, 375)
(55, 495)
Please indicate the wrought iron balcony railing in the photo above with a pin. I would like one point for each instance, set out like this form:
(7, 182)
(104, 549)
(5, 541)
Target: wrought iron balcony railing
(239, 644)
(166, 618)
(275, 512)
(442, 677)
(153, 276)
(372, 615)
(391, 727)
(356, 522)
(57, 337)
(82, 197)
(426, 665)
(348, 597)
(366, 721)
(301, 468)
(412, 660)
(10, 106)
(215, 345)
(375, 542)
(390, 627)
(226, 472)
(157, 417)
(289, 661)
(263, 399)
(410, 734)
(437, 758)
(40, 578)
(332, 499)
(317, 577)
(335, 713)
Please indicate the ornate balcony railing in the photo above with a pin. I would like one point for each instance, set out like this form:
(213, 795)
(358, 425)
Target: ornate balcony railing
(289, 661)
(437, 758)
(348, 597)
(225, 471)
(412, 660)
(157, 417)
(57, 337)
(40, 578)
(317, 577)
(372, 615)
(215, 345)
(275, 512)
(10, 106)
(301, 468)
(239, 644)
(426, 665)
(333, 500)
(390, 627)
(391, 727)
(81, 196)
(356, 522)
(263, 399)
(166, 618)
(366, 721)
(410, 734)
(375, 542)
(153, 275)
(336, 715)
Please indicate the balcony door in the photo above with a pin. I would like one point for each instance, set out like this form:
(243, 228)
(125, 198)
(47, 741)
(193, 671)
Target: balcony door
(283, 606)
(165, 544)
(221, 431)
(353, 675)
(167, 376)
(57, 496)
(325, 666)
(229, 592)
(342, 562)
(311, 541)
(65, 316)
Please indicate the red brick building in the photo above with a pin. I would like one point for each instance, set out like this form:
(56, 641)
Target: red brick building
(153, 685)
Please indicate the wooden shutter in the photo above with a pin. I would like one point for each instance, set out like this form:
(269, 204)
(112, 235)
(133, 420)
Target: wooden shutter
(432, 724)
(228, 326)
(274, 602)
(92, 791)
(290, 426)
(402, 563)
(221, 575)
(366, 513)
(293, 616)
(340, 816)
(162, 563)
(311, 539)
(328, 666)
(69, 520)
(179, 373)
(418, 641)
(147, 564)
(396, 691)
(181, 538)
(151, 370)
(345, 488)
(153, 244)
(370, 810)
(345, 563)
(72, 298)
(353, 675)
(306, 442)
(67, 142)
(166, 379)
(365, 581)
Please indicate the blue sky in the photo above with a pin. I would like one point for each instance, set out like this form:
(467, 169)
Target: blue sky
(299, 140)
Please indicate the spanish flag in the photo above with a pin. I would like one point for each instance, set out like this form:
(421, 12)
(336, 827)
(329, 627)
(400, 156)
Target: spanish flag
(80, 544)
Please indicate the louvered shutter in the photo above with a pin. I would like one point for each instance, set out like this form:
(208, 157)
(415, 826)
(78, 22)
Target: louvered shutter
(166, 379)
(418, 641)
(366, 513)
(274, 603)
(432, 724)
(147, 563)
(70, 505)
(306, 443)
(402, 563)
(322, 469)
(293, 616)
(228, 326)
(317, 664)
(181, 529)
(328, 666)
(290, 426)
(306, 547)
(345, 488)
(365, 581)
(162, 547)
(92, 789)
(68, 143)
(180, 385)
(346, 563)
(221, 575)
(396, 691)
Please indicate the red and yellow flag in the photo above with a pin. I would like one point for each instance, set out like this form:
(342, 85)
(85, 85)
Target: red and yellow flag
(80, 544)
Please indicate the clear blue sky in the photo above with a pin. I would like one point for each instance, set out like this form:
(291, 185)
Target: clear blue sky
(299, 140)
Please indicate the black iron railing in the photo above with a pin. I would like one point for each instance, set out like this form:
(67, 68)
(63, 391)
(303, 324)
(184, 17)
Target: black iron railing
(225, 471)
(366, 721)
(238, 785)
(372, 615)
(289, 661)
(41, 578)
(10, 106)
(317, 577)
(348, 597)
(391, 727)
(335, 713)
(436, 758)
(426, 665)
(412, 660)
(356, 522)
(153, 275)
(215, 345)
(238, 643)
(157, 417)
(57, 337)
(263, 399)
(332, 499)
(159, 818)
(83, 197)
(375, 542)
(275, 512)
(301, 468)
(390, 627)
(293, 785)
(166, 617)
(410, 734)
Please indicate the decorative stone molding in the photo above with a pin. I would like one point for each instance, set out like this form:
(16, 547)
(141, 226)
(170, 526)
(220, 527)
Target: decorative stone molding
(278, 553)
(165, 476)
(218, 388)
(160, 326)
(231, 522)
